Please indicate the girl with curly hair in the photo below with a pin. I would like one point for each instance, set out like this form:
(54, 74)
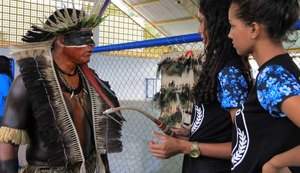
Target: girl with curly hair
(221, 88)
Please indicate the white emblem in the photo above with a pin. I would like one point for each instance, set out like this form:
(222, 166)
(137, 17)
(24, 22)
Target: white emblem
(198, 118)
(242, 143)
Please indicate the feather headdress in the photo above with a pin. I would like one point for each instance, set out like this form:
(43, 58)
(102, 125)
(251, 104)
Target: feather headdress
(67, 20)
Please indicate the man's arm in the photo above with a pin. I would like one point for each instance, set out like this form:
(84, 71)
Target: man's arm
(13, 125)
(8, 158)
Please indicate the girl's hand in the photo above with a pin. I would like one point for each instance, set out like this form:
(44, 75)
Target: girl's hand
(181, 133)
(270, 167)
(166, 147)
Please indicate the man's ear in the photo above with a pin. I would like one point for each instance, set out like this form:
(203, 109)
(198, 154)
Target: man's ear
(59, 41)
(255, 29)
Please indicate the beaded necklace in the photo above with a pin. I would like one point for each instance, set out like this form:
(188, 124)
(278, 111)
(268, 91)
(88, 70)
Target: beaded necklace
(66, 86)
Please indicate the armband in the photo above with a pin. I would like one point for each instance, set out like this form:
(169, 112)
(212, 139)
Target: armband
(14, 136)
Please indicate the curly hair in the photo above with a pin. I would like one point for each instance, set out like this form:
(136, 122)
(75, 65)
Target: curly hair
(277, 16)
(219, 48)
(5, 66)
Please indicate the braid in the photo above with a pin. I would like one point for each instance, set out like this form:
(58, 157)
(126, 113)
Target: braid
(219, 49)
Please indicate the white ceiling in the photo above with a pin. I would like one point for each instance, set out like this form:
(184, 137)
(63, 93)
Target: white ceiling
(170, 17)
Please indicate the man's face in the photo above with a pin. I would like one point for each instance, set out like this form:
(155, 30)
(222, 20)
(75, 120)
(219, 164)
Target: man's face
(78, 46)
(79, 38)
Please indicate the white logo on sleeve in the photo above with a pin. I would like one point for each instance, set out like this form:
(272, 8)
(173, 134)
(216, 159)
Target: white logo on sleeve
(242, 143)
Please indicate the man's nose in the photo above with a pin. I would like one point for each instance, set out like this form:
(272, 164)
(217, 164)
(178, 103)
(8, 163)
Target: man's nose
(91, 43)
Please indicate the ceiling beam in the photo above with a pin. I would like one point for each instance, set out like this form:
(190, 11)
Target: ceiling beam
(189, 6)
(173, 21)
(144, 3)
(150, 23)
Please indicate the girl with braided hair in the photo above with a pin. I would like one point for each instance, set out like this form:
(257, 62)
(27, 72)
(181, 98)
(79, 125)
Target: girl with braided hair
(221, 88)
(266, 135)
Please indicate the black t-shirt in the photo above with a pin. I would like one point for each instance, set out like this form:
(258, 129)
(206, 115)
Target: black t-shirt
(211, 124)
(258, 136)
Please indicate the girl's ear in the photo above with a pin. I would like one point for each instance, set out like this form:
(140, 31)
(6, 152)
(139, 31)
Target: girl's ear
(255, 29)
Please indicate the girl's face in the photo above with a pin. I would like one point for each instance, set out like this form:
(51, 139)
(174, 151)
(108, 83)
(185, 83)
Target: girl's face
(240, 33)
(202, 28)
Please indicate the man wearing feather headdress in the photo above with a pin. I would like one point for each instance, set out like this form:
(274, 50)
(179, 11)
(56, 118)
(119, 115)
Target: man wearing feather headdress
(56, 104)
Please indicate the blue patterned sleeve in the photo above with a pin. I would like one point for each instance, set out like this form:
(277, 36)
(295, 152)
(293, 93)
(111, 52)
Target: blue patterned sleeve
(5, 83)
(232, 89)
(275, 84)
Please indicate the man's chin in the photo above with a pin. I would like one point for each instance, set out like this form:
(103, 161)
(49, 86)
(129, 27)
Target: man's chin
(88, 60)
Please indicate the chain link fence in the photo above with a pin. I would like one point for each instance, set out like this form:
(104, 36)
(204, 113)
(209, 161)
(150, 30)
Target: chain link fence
(131, 73)
(135, 82)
